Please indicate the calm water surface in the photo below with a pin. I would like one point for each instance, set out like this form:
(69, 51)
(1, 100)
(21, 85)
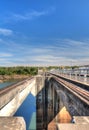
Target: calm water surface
(5, 84)
(28, 111)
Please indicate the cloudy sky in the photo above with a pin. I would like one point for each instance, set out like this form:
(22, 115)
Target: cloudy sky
(44, 32)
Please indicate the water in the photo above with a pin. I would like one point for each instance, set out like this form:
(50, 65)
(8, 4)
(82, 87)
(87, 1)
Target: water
(5, 84)
(28, 111)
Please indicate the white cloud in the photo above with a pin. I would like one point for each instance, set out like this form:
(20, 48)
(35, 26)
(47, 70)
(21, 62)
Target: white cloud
(29, 15)
(5, 32)
(5, 55)
(63, 52)
(60, 52)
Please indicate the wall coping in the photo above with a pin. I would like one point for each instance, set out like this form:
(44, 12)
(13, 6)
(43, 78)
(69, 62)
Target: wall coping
(12, 123)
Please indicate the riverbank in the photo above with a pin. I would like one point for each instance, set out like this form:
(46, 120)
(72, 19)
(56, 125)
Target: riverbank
(4, 78)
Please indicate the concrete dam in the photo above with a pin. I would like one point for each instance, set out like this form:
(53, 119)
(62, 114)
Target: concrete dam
(61, 103)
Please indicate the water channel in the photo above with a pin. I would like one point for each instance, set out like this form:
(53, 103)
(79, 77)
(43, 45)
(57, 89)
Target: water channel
(27, 109)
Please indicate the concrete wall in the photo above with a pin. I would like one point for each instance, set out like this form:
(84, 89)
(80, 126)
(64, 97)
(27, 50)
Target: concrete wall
(40, 102)
(11, 98)
(67, 98)
(12, 123)
(81, 123)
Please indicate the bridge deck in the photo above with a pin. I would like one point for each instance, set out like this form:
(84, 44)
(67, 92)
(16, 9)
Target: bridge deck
(81, 92)
(74, 81)
(76, 90)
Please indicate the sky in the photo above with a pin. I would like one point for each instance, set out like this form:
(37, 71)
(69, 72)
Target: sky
(44, 32)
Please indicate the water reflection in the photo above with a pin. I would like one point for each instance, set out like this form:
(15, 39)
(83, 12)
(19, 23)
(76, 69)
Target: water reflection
(28, 111)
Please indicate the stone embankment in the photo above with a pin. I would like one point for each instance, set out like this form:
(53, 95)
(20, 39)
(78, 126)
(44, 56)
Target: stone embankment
(9, 77)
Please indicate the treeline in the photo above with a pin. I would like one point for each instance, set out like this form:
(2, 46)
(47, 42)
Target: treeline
(21, 70)
(18, 70)
(61, 67)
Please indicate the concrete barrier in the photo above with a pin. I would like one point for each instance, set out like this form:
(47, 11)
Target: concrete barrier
(81, 123)
(12, 123)
(11, 98)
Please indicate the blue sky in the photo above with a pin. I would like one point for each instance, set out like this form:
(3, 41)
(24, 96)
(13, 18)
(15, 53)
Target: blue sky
(44, 32)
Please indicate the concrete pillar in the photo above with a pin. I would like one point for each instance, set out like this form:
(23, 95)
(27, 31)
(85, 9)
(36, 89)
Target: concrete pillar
(53, 100)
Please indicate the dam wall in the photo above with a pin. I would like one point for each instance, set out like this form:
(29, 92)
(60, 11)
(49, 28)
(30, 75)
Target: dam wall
(12, 97)
(51, 97)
